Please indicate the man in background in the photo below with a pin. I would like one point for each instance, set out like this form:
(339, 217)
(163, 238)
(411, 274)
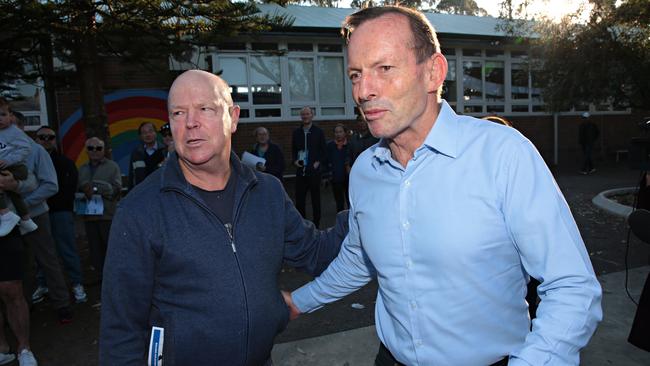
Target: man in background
(307, 152)
(62, 217)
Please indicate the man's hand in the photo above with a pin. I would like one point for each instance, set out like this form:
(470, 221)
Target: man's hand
(7, 181)
(261, 167)
(316, 165)
(87, 189)
(3, 164)
(293, 310)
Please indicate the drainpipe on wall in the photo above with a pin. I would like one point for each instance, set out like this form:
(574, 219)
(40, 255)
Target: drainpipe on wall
(555, 138)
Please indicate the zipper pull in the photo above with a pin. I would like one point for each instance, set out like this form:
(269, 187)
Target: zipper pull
(232, 241)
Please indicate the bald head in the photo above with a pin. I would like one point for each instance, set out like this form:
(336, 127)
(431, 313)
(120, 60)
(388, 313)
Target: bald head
(200, 78)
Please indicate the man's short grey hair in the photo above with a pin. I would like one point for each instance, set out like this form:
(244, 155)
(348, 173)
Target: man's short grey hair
(424, 43)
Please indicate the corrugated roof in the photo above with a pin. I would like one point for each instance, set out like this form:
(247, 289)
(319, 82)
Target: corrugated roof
(317, 17)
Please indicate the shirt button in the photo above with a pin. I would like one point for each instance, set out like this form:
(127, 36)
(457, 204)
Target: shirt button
(407, 183)
(418, 343)
(406, 225)
(409, 263)
(413, 305)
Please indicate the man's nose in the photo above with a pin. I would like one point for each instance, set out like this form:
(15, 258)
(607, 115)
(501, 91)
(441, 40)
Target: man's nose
(192, 119)
(366, 88)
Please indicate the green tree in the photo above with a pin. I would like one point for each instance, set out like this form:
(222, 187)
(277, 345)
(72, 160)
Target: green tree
(82, 32)
(461, 7)
(603, 60)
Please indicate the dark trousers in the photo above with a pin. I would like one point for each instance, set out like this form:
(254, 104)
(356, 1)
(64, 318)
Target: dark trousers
(340, 190)
(39, 245)
(588, 162)
(310, 184)
(640, 333)
(385, 358)
(19, 171)
(97, 234)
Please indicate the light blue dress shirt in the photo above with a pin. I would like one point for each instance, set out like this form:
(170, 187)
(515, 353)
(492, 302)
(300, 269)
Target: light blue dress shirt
(451, 239)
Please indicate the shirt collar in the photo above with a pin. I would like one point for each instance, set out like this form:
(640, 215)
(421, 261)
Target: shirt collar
(443, 136)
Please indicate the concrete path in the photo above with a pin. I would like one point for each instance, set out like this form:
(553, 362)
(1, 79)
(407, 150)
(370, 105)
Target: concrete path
(608, 347)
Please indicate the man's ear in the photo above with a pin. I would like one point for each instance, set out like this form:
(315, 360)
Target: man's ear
(234, 118)
(437, 67)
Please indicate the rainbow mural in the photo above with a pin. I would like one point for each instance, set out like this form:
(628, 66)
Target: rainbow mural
(126, 110)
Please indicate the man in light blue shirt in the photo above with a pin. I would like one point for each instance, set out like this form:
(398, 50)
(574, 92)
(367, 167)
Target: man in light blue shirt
(452, 214)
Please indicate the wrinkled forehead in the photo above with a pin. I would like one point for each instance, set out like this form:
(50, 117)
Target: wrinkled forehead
(198, 86)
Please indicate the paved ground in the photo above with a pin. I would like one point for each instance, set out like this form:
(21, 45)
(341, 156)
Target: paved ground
(604, 234)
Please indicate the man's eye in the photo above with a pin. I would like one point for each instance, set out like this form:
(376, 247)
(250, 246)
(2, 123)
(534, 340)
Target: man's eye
(354, 76)
(386, 68)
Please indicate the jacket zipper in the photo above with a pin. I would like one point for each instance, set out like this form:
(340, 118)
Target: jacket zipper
(231, 235)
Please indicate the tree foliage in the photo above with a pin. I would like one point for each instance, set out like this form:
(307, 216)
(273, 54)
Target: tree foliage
(82, 32)
(461, 7)
(603, 60)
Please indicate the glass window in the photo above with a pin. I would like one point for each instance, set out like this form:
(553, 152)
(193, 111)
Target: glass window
(272, 112)
(494, 81)
(495, 109)
(519, 78)
(538, 108)
(520, 108)
(332, 111)
(331, 84)
(330, 48)
(301, 47)
(264, 46)
(448, 51)
(234, 73)
(301, 79)
(244, 113)
(449, 88)
(493, 53)
(472, 80)
(265, 80)
(472, 52)
(519, 54)
(473, 109)
(536, 90)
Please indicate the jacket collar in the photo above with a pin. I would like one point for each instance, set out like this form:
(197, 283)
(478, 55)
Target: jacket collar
(172, 176)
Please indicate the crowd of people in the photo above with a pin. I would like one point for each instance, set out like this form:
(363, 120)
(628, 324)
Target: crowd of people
(452, 215)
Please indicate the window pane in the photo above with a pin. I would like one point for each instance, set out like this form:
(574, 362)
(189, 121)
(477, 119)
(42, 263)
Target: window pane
(334, 111)
(264, 46)
(519, 77)
(234, 73)
(473, 109)
(538, 108)
(472, 80)
(495, 109)
(239, 94)
(472, 52)
(494, 81)
(449, 88)
(302, 47)
(519, 54)
(265, 80)
(536, 90)
(301, 80)
(520, 107)
(330, 48)
(331, 84)
(275, 112)
(244, 113)
(493, 53)
(296, 111)
(448, 51)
